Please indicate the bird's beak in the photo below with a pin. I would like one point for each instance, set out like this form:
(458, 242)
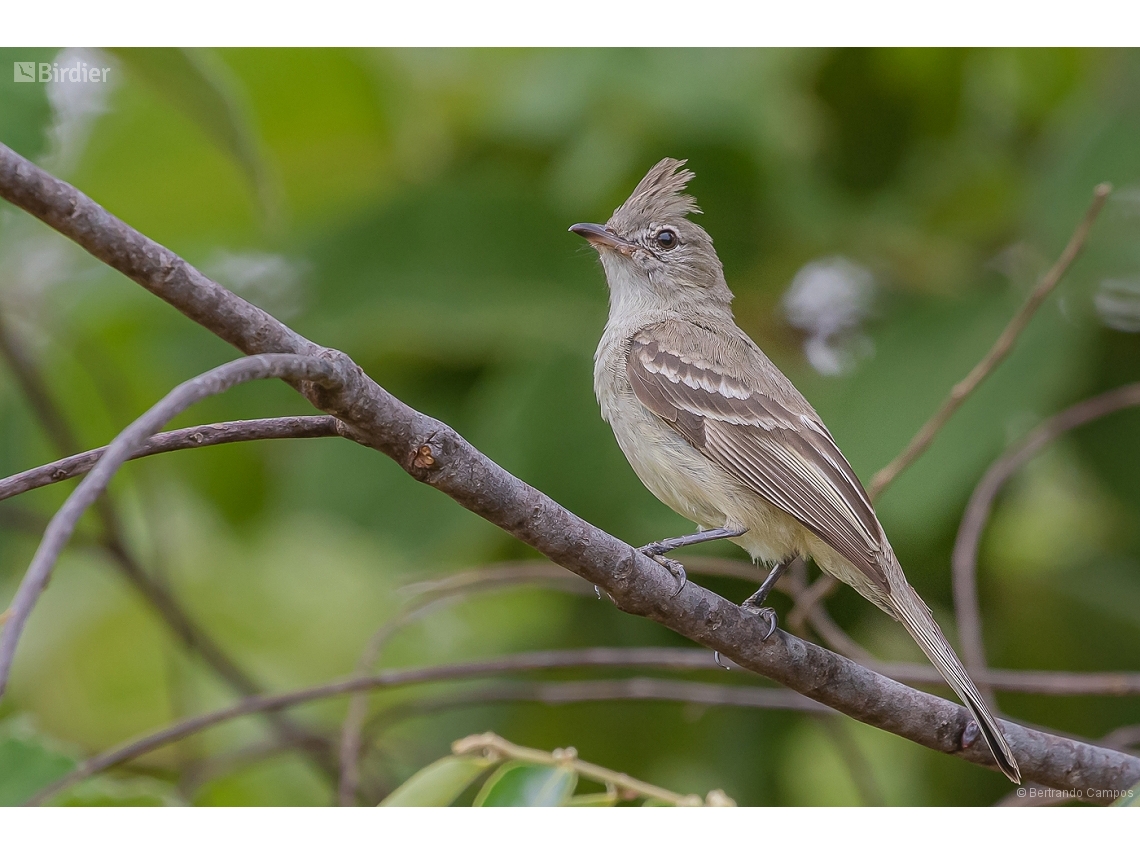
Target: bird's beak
(600, 236)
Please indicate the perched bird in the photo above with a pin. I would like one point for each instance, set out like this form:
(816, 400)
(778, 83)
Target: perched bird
(720, 435)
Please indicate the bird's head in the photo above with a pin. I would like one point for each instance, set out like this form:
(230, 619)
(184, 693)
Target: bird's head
(653, 254)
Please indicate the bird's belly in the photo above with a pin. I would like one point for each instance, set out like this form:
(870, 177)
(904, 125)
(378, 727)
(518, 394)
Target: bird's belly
(699, 490)
(672, 470)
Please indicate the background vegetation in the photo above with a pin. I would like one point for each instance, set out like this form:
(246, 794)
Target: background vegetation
(880, 215)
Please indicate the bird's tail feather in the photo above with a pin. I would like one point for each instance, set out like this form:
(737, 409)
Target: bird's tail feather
(913, 613)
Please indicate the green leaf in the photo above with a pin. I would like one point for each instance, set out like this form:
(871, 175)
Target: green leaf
(439, 784)
(528, 785)
(28, 763)
(135, 791)
(602, 799)
(199, 84)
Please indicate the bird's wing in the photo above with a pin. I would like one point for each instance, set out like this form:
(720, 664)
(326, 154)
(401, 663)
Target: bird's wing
(782, 453)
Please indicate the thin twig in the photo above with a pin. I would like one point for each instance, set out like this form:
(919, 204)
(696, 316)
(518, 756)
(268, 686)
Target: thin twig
(599, 657)
(811, 597)
(997, 352)
(1063, 683)
(491, 576)
(493, 746)
(517, 663)
(1067, 683)
(435, 593)
(174, 616)
(58, 532)
(834, 637)
(431, 596)
(202, 436)
(965, 558)
(545, 692)
(114, 543)
(559, 692)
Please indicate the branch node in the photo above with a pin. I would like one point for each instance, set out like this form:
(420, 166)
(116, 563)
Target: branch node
(565, 755)
(424, 458)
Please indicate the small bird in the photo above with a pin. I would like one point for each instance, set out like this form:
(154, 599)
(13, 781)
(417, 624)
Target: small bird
(721, 436)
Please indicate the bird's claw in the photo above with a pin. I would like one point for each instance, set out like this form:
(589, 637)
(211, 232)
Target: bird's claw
(674, 567)
(764, 613)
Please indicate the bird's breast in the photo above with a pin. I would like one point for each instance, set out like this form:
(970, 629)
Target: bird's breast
(676, 472)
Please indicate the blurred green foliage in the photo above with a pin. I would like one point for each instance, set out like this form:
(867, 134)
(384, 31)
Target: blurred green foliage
(410, 208)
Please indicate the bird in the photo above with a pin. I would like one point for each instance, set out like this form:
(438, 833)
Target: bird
(716, 431)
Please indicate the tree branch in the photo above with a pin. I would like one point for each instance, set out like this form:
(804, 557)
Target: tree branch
(434, 593)
(160, 597)
(428, 599)
(59, 530)
(545, 692)
(517, 663)
(494, 746)
(202, 436)
(964, 561)
(1060, 749)
(997, 353)
(559, 692)
(433, 453)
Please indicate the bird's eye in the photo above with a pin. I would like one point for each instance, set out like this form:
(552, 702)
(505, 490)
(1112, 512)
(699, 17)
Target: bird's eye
(666, 238)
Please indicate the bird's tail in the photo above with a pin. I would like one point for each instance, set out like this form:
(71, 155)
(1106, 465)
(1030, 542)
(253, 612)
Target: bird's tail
(913, 613)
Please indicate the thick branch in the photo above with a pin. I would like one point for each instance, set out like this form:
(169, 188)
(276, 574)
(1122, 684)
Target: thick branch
(435, 454)
(202, 436)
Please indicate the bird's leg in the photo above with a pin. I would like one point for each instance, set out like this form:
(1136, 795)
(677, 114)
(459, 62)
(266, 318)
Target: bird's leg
(753, 604)
(658, 548)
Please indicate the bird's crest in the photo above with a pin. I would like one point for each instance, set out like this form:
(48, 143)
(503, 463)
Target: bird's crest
(657, 197)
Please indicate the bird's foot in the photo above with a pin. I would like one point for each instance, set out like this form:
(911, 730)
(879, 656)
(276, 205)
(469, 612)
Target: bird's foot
(755, 603)
(765, 613)
(658, 547)
(675, 567)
